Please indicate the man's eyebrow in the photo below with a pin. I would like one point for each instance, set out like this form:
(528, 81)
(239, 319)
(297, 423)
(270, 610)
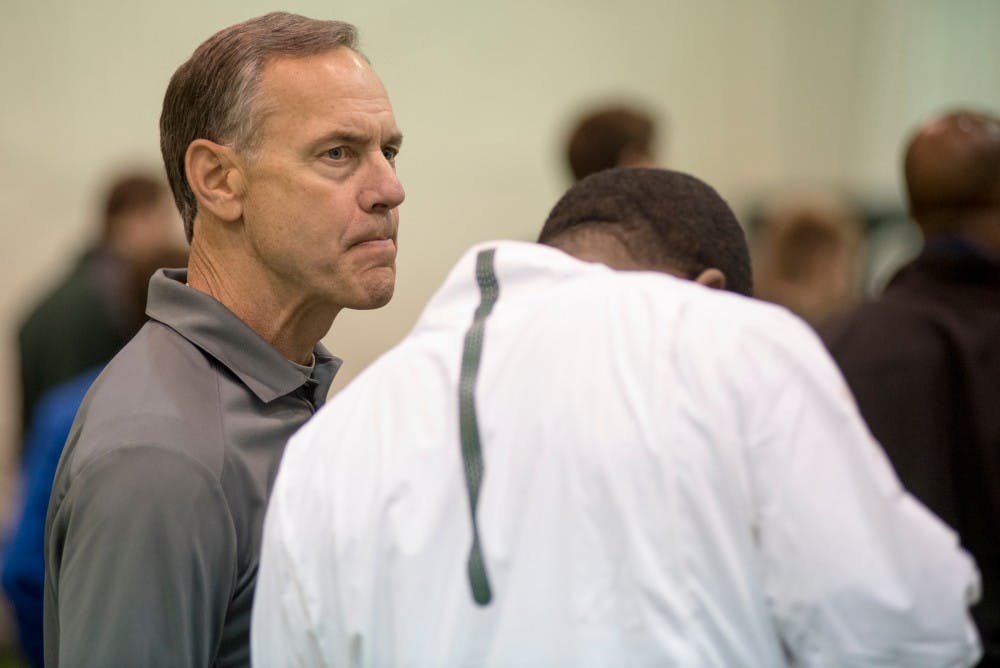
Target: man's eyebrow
(348, 137)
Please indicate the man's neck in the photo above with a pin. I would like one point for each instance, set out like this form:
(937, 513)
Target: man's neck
(979, 227)
(286, 321)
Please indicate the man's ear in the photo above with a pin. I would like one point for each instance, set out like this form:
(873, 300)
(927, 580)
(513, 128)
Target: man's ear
(713, 278)
(215, 178)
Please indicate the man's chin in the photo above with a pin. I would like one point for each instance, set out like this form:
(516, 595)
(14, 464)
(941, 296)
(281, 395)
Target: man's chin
(375, 297)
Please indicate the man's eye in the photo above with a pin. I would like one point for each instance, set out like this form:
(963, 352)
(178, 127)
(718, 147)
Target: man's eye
(390, 153)
(338, 153)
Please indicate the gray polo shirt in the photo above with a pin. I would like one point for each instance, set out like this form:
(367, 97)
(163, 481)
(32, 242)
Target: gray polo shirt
(153, 530)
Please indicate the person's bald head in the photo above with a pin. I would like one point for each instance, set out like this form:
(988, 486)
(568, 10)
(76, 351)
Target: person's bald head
(952, 169)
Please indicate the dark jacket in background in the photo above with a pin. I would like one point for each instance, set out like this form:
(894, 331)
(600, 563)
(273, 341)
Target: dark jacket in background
(924, 364)
(81, 323)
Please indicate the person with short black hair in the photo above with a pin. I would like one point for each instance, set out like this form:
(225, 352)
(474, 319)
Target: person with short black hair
(280, 146)
(564, 464)
(667, 221)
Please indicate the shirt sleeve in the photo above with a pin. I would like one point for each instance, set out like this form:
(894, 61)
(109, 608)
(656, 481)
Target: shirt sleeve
(857, 572)
(144, 555)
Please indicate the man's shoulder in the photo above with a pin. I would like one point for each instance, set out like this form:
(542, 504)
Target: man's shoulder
(893, 326)
(161, 391)
(686, 303)
(870, 313)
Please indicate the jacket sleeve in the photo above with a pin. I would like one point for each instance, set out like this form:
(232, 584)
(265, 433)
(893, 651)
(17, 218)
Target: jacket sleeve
(143, 555)
(282, 632)
(857, 572)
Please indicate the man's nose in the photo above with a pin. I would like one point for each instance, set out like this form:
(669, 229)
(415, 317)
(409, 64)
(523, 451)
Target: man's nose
(382, 191)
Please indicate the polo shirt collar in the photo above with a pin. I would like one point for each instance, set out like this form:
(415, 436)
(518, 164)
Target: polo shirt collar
(213, 328)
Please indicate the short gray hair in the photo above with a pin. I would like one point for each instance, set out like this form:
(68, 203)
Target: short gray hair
(213, 95)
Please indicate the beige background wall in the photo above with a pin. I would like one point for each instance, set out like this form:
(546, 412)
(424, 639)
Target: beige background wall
(758, 95)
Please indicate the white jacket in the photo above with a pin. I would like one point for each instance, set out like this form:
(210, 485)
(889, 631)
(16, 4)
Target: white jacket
(674, 476)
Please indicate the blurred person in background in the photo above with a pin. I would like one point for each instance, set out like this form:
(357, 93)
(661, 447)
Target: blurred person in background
(611, 136)
(89, 315)
(22, 568)
(603, 465)
(923, 359)
(806, 254)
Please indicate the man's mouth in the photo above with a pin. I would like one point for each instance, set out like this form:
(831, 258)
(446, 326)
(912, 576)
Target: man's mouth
(379, 243)
(376, 240)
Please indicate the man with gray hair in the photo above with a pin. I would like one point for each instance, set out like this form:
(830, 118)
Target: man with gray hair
(280, 143)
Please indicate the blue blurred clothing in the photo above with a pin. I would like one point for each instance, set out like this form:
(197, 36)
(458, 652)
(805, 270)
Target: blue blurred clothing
(24, 554)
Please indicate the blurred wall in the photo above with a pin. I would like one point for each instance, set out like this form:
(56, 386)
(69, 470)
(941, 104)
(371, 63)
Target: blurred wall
(758, 93)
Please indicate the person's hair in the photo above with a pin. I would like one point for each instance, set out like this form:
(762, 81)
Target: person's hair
(664, 220)
(598, 140)
(214, 94)
(127, 194)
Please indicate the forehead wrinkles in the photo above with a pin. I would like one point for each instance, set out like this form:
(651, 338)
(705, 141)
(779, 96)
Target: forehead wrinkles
(314, 87)
(327, 77)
